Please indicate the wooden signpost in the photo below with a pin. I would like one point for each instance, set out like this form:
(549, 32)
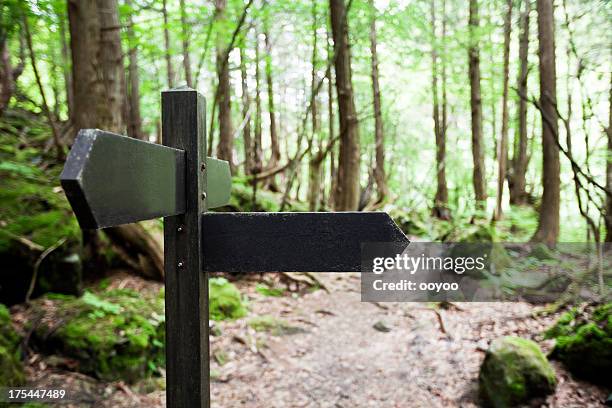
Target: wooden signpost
(111, 180)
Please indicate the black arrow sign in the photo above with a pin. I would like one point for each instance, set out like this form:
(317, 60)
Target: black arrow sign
(292, 242)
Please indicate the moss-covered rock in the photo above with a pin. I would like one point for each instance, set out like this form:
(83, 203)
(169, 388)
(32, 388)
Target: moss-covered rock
(224, 300)
(514, 372)
(273, 325)
(115, 334)
(36, 217)
(583, 342)
(11, 368)
(542, 253)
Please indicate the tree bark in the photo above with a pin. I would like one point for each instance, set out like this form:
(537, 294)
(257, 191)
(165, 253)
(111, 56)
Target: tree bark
(274, 145)
(502, 155)
(257, 153)
(608, 216)
(8, 73)
(316, 158)
(134, 125)
(518, 195)
(440, 209)
(548, 222)
(168, 55)
(379, 136)
(225, 146)
(185, 43)
(246, 111)
(97, 70)
(476, 109)
(61, 17)
(348, 189)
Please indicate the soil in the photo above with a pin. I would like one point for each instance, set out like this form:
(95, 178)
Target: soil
(336, 351)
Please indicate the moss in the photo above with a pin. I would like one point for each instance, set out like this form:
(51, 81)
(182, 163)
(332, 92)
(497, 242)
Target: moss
(514, 372)
(583, 342)
(115, 334)
(274, 326)
(241, 199)
(542, 252)
(224, 300)
(11, 368)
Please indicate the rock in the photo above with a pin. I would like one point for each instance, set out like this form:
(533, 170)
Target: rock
(381, 327)
(224, 300)
(583, 342)
(113, 335)
(514, 372)
(11, 367)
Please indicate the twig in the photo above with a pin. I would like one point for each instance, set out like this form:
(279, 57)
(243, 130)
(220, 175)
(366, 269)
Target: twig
(42, 256)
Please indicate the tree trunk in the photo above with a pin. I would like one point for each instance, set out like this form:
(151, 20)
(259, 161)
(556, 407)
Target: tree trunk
(97, 70)
(502, 155)
(476, 109)
(608, 217)
(548, 222)
(61, 17)
(379, 137)
(333, 174)
(246, 111)
(440, 209)
(225, 146)
(8, 73)
(257, 153)
(316, 158)
(134, 125)
(169, 69)
(347, 189)
(518, 195)
(185, 42)
(275, 147)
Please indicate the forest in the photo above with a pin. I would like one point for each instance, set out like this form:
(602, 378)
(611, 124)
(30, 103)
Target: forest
(466, 121)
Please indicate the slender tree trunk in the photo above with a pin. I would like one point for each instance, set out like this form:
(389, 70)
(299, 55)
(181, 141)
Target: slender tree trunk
(257, 152)
(440, 209)
(225, 146)
(275, 147)
(476, 109)
(61, 17)
(97, 71)
(316, 158)
(246, 111)
(518, 194)
(8, 73)
(169, 69)
(548, 222)
(608, 216)
(134, 125)
(185, 42)
(379, 136)
(333, 174)
(347, 189)
(502, 155)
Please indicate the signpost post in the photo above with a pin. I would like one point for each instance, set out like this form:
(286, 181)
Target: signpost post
(111, 180)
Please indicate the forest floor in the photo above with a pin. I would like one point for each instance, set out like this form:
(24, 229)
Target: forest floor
(325, 348)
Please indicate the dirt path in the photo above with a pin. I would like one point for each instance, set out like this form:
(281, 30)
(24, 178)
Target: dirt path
(417, 356)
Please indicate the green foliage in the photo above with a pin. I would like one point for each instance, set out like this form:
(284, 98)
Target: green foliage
(114, 334)
(11, 368)
(513, 372)
(583, 342)
(269, 291)
(242, 199)
(224, 300)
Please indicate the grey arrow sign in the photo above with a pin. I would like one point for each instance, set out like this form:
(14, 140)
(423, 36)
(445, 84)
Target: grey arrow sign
(111, 179)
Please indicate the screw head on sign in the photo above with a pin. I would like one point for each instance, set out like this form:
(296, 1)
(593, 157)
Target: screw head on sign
(180, 228)
(180, 264)
(203, 196)
(203, 166)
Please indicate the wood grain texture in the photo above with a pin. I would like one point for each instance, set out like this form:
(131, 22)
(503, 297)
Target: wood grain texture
(187, 363)
(300, 242)
(111, 179)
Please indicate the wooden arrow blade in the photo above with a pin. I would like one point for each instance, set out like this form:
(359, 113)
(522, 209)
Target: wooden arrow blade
(111, 179)
(292, 242)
